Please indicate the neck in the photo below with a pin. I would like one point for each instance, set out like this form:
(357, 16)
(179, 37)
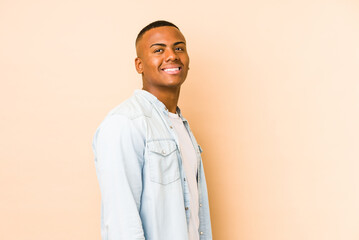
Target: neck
(169, 96)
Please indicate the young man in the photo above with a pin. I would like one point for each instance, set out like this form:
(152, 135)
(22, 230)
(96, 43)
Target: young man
(147, 160)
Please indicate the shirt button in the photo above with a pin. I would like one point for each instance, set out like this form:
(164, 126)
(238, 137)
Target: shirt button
(171, 127)
(200, 205)
(163, 152)
(201, 233)
(186, 208)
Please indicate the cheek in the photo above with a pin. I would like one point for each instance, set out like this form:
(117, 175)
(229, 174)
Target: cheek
(153, 64)
(148, 68)
(185, 60)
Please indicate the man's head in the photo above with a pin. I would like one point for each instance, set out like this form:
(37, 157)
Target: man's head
(162, 57)
(152, 25)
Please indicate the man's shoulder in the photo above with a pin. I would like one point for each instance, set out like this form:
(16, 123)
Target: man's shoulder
(132, 108)
(127, 116)
(124, 122)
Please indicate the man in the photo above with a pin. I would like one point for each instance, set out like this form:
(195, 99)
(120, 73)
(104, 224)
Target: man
(147, 160)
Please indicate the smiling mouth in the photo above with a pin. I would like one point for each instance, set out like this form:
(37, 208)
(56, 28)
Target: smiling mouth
(172, 70)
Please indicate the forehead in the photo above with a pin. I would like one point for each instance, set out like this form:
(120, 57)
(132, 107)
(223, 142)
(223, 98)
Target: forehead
(167, 35)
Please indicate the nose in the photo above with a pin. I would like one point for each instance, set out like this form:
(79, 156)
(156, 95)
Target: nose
(171, 55)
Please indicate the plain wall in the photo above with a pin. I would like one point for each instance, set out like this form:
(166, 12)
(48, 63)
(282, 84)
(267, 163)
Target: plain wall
(272, 97)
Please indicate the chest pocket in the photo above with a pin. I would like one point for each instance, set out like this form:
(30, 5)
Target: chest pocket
(163, 162)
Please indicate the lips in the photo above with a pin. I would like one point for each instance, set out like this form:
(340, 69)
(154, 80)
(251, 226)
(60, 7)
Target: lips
(172, 69)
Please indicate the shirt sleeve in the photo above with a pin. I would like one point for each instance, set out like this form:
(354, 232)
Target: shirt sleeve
(119, 148)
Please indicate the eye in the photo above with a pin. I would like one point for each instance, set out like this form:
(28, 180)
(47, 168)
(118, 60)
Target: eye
(159, 50)
(179, 49)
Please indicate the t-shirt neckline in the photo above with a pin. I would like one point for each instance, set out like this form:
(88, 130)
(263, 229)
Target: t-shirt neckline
(173, 115)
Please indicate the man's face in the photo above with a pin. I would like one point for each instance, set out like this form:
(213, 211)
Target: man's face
(162, 58)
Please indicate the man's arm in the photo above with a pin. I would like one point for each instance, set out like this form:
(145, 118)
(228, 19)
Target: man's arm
(119, 148)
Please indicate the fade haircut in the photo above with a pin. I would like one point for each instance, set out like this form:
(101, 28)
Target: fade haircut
(156, 24)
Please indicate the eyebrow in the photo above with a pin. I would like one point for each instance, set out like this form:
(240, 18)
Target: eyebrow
(164, 45)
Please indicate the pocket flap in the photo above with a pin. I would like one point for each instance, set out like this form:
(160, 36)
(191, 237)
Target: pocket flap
(163, 148)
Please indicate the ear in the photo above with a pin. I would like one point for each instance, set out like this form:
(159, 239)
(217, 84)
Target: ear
(138, 65)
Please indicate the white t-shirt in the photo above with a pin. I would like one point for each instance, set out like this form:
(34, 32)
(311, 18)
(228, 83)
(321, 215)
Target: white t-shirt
(189, 161)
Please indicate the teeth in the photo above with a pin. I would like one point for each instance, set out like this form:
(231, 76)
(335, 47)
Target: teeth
(171, 69)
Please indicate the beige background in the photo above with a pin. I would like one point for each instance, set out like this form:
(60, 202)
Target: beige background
(272, 96)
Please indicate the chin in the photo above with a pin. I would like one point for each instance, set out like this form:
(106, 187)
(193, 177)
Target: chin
(175, 83)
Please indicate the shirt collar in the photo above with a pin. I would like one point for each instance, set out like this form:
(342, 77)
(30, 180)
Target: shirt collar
(154, 100)
(180, 114)
(151, 98)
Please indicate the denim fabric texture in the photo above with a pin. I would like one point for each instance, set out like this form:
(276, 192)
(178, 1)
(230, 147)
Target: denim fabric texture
(144, 193)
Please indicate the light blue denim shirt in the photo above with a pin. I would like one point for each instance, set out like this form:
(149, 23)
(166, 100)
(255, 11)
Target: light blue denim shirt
(143, 186)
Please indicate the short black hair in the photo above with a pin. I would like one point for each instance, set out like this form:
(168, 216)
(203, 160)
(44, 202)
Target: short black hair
(156, 24)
